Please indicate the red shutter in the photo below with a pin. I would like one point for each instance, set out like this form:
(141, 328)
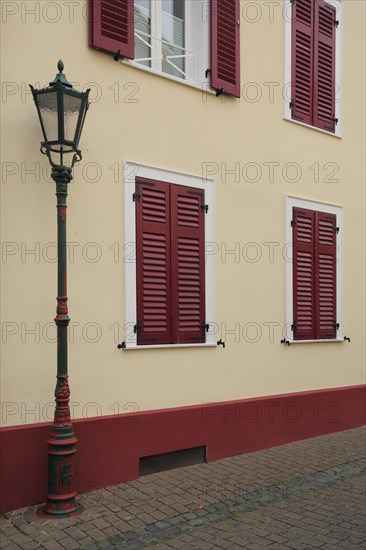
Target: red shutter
(225, 46)
(303, 274)
(324, 66)
(188, 265)
(111, 26)
(325, 275)
(153, 262)
(302, 61)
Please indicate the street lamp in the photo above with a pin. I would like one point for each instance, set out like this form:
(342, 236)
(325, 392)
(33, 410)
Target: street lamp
(61, 110)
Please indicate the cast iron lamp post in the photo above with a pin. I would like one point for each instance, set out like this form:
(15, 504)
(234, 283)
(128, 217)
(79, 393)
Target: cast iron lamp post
(61, 110)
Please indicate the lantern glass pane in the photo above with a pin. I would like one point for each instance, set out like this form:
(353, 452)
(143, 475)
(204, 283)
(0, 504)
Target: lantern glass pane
(47, 103)
(72, 106)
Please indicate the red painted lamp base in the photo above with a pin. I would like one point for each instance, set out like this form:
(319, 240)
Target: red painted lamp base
(42, 512)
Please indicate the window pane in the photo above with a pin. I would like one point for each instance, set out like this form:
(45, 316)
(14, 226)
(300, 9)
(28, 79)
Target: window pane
(173, 27)
(143, 31)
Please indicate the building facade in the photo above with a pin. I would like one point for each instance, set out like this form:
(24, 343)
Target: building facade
(215, 235)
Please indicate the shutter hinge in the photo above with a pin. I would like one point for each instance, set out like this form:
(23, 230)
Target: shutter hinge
(336, 229)
(204, 207)
(118, 56)
(137, 327)
(336, 22)
(122, 346)
(292, 104)
(293, 326)
(293, 223)
(292, 1)
(335, 120)
(336, 326)
(136, 196)
(220, 343)
(207, 72)
(205, 326)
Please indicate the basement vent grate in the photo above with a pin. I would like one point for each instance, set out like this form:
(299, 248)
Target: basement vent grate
(174, 459)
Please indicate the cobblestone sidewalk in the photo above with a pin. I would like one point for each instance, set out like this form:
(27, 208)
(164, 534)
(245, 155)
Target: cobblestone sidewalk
(308, 494)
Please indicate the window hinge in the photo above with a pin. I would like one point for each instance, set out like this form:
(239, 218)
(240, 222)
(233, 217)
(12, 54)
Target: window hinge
(207, 72)
(204, 207)
(137, 327)
(205, 326)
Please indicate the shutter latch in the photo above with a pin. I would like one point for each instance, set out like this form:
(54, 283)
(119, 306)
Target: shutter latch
(137, 327)
(118, 56)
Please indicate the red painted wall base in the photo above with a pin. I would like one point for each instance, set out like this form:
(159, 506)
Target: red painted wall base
(109, 448)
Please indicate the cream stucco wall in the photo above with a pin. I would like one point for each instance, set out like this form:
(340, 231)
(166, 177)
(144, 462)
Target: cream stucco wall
(179, 128)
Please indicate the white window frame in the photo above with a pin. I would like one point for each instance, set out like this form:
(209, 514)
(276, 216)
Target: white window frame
(131, 171)
(338, 5)
(194, 27)
(337, 210)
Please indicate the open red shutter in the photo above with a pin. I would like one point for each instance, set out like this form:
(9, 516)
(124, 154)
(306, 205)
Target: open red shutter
(303, 274)
(324, 66)
(325, 275)
(111, 26)
(188, 265)
(153, 323)
(225, 46)
(302, 61)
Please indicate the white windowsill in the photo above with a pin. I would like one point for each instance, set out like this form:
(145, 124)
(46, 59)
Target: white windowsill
(204, 88)
(289, 119)
(160, 346)
(313, 341)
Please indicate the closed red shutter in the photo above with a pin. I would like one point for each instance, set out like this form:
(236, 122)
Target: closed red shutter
(153, 261)
(303, 274)
(225, 46)
(111, 26)
(324, 66)
(302, 61)
(188, 265)
(325, 275)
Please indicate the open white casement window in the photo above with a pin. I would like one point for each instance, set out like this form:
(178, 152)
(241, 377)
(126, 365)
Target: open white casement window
(171, 37)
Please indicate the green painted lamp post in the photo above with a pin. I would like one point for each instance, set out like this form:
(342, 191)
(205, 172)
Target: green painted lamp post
(61, 110)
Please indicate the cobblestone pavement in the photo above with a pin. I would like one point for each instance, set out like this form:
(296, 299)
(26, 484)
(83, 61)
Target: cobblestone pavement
(308, 494)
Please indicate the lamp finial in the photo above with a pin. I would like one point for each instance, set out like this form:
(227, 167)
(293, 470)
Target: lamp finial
(60, 66)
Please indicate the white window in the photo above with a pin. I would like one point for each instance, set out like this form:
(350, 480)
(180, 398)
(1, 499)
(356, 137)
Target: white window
(293, 204)
(307, 76)
(171, 37)
(132, 173)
